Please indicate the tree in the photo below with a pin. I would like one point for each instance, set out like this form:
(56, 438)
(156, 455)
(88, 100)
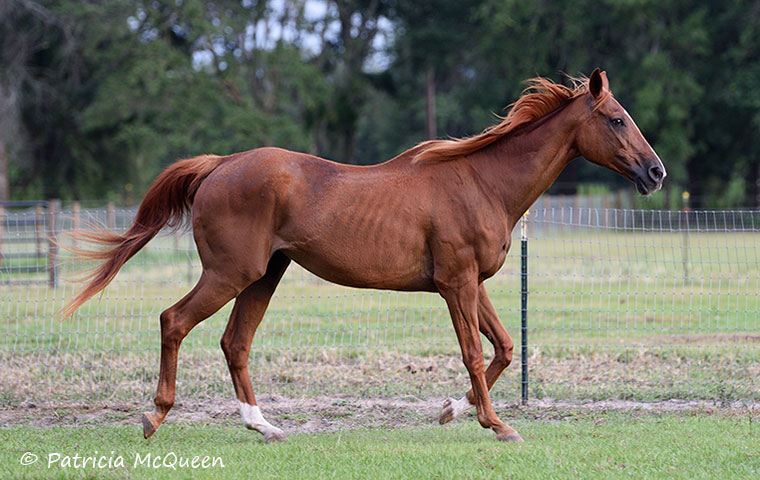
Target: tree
(135, 91)
(28, 28)
(686, 70)
(97, 97)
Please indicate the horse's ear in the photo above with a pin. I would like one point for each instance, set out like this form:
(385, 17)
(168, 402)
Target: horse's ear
(596, 82)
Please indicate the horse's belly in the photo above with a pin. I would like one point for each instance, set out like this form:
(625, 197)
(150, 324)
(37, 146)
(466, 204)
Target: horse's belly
(368, 269)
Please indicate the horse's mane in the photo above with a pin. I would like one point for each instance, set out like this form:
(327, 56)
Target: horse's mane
(541, 97)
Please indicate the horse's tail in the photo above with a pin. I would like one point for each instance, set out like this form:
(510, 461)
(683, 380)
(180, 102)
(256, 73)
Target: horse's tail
(167, 201)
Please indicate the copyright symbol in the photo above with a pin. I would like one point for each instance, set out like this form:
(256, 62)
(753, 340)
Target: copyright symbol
(28, 458)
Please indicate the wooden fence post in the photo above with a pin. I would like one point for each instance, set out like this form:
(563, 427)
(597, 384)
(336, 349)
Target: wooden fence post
(575, 208)
(53, 208)
(111, 216)
(39, 224)
(76, 210)
(606, 209)
(685, 244)
(2, 230)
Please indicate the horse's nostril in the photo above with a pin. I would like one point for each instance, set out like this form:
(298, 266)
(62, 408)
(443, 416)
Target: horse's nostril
(656, 173)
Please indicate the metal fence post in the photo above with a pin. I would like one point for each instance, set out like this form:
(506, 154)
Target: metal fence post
(524, 304)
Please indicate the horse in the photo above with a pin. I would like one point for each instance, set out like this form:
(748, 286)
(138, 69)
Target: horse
(436, 218)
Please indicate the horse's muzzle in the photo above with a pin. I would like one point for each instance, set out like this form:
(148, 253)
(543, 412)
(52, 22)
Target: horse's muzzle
(650, 177)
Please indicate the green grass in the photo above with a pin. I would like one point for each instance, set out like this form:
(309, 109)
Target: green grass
(610, 314)
(571, 445)
(598, 288)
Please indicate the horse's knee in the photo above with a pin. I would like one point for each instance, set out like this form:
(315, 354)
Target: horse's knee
(503, 348)
(504, 352)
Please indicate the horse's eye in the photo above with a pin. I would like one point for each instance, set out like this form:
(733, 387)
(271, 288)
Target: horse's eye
(618, 122)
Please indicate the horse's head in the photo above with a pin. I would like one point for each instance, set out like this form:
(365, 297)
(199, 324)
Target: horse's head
(609, 137)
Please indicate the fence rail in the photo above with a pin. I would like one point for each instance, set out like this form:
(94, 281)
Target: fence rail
(625, 304)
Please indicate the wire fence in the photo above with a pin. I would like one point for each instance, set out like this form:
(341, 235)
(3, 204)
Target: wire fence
(622, 304)
(644, 305)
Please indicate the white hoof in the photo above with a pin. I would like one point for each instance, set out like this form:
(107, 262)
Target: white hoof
(452, 408)
(254, 420)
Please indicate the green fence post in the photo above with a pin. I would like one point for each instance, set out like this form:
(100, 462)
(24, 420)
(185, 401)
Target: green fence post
(524, 304)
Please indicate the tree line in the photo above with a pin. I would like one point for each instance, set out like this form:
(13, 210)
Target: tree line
(97, 97)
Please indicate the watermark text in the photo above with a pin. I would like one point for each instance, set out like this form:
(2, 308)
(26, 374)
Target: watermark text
(112, 460)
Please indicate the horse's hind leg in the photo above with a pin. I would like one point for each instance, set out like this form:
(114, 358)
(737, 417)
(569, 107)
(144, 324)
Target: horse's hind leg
(209, 295)
(236, 342)
(493, 329)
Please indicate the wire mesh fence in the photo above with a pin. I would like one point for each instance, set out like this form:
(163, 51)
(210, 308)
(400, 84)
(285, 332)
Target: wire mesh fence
(623, 304)
(645, 305)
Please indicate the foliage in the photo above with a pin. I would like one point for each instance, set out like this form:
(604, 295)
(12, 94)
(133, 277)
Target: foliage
(687, 71)
(97, 97)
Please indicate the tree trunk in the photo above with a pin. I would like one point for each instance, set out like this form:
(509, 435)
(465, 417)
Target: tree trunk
(4, 192)
(693, 184)
(348, 147)
(757, 186)
(430, 124)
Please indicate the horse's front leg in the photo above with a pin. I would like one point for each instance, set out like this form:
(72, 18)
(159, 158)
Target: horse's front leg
(490, 326)
(461, 295)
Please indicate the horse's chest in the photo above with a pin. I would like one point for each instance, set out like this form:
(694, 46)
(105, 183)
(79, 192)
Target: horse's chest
(492, 260)
(492, 250)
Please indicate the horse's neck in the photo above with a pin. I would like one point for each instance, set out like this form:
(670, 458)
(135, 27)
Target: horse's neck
(521, 167)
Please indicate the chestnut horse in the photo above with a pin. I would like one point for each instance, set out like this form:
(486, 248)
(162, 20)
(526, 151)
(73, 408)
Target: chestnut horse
(436, 218)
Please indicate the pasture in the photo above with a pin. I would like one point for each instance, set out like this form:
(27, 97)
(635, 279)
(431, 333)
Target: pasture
(559, 444)
(644, 312)
(616, 314)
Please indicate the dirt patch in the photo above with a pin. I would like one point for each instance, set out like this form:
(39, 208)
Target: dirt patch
(302, 415)
(713, 339)
(636, 373)
(332, 413)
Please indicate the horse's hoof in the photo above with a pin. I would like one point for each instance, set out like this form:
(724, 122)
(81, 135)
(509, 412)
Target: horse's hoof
(148, 427)
(447, 414)
(512, 437)
(273, 436)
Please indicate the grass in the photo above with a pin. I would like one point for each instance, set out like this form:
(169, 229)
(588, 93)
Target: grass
(627, 315)
(613, 315)
(569, 445)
